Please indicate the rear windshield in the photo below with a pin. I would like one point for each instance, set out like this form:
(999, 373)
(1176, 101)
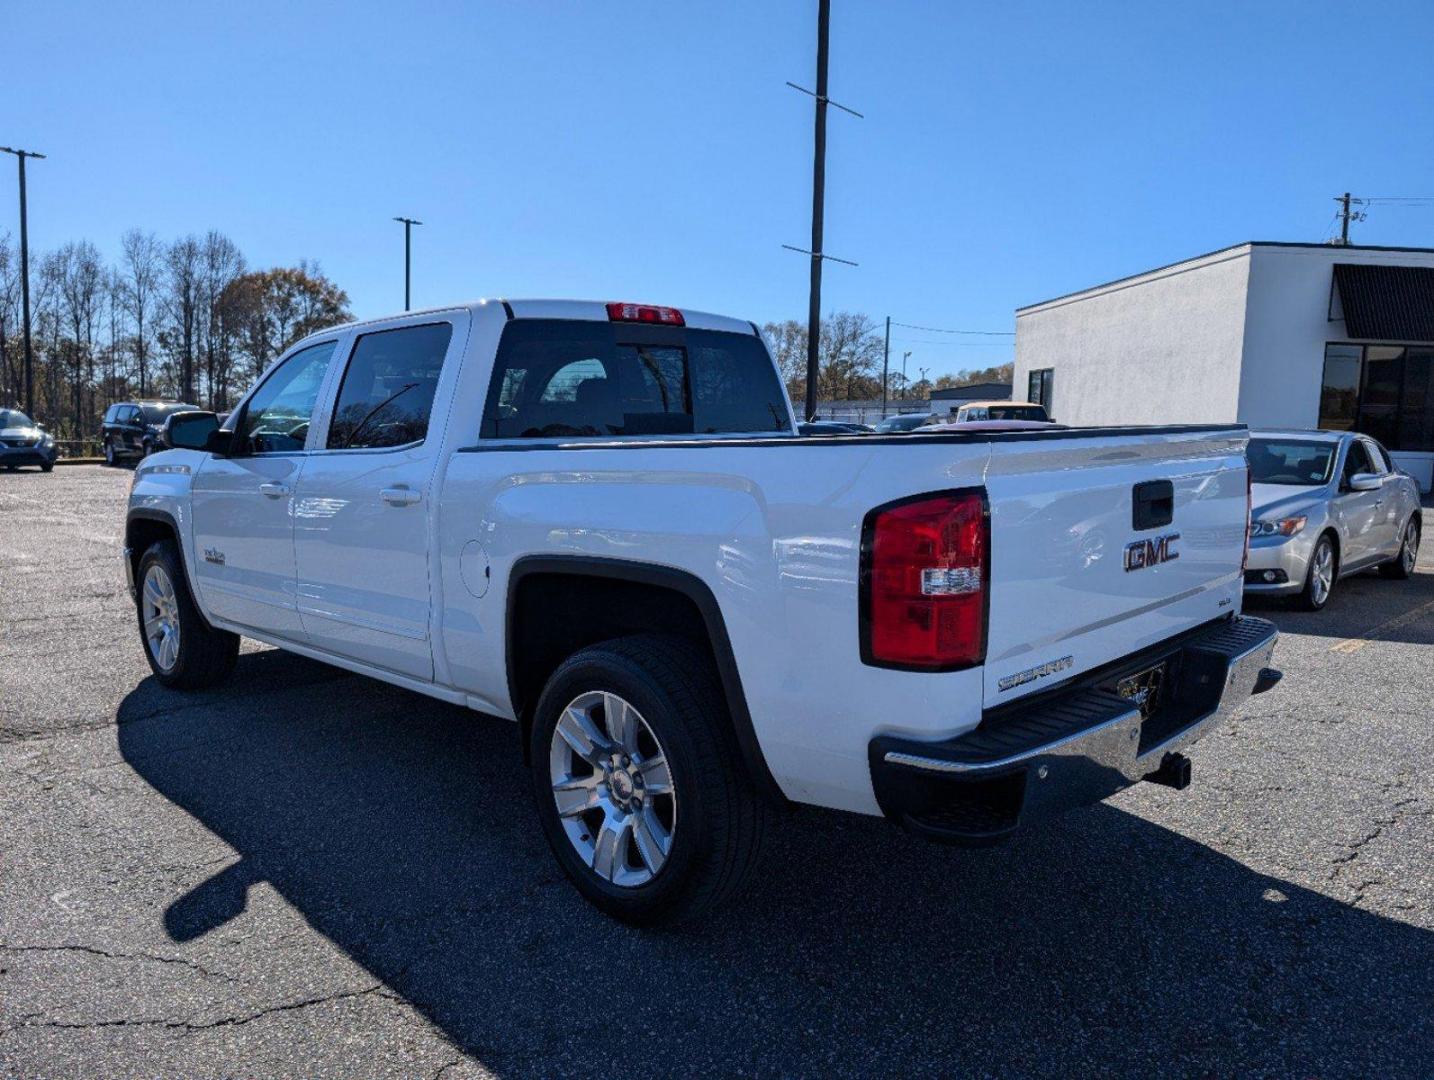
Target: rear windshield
(1017, 412)
(902, 423)
(153, 414)
(565, 377)
(1296, 462)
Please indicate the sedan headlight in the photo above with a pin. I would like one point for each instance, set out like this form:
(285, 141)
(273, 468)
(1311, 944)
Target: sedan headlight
(47, 439)
(1279, 526)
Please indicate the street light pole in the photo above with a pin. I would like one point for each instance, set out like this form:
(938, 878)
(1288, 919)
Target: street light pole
(885, 366)
(408, 224)
(25, 281)
(904, 387)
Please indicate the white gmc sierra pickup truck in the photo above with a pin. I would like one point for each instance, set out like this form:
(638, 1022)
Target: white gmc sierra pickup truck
(597, 520)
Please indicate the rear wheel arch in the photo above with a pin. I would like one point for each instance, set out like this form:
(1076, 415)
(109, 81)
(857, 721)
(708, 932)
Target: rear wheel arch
(559, 604)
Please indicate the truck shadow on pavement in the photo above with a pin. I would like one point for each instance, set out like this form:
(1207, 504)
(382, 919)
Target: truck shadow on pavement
(402, 830)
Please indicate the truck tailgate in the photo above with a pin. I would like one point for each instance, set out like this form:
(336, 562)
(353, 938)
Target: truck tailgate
(1102, 545)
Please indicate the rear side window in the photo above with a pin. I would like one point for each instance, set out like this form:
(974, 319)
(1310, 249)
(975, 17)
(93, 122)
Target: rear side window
(388, 388)
(563, 377)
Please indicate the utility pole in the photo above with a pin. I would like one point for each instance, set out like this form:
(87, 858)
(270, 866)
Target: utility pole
(885, 365)
(408, 224)
(25, 281)
(819, 179)
(1346, 214)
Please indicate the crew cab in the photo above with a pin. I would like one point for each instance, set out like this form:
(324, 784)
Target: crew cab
(599, 521)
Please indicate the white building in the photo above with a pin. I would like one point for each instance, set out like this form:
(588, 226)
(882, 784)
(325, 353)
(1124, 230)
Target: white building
(1265, 334)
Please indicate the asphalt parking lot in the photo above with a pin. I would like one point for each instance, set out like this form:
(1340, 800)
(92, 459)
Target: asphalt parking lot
(308, 873)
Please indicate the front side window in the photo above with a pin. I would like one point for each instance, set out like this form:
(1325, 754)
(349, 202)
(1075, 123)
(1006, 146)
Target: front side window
(1355, 461)
(276, 418)
(559, 377)
(388, 389)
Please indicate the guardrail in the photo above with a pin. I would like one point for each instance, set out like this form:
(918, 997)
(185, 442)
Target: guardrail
(80, 447)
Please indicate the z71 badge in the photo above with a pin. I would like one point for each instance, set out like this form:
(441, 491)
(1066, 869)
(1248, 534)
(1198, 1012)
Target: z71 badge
(1145, 553)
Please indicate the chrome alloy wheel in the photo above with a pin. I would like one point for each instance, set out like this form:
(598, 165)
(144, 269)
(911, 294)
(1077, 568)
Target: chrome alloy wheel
(1323, 577)
(1409, 552)
(613, 788)
(160, 611)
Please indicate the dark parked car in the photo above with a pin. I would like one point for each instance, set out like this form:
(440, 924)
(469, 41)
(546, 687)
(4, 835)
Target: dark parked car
(904, 423)
(833, 427)
(132, 428)
(24, 442)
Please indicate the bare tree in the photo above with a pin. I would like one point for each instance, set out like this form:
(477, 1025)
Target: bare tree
(184, 284)
(222, 264)
(850, 351)
(81, 289)
(10, 370)
(142, 262)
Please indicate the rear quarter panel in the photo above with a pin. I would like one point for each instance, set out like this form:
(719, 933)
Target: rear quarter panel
(774, 531)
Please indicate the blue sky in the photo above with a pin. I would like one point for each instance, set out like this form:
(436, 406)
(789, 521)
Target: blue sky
(650, 151)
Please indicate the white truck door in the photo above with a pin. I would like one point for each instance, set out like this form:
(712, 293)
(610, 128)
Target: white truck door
(362, 514)
(241, 504)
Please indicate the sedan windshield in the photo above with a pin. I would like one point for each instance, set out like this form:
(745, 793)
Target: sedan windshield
(1294, 462)
(14, 418)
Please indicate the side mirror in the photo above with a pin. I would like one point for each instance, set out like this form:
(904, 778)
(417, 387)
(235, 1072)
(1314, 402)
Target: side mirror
(1365, 482)
(190, 430)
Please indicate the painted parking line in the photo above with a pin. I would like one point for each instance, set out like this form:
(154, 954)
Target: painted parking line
(1354, 644)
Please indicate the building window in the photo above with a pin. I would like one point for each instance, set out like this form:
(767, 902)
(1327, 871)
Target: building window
(1039, 386)
(1386, 391)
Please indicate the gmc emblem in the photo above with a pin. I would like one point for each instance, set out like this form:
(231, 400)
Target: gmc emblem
(1143, 553)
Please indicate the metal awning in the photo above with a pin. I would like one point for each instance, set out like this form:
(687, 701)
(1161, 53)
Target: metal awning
(1386, 303)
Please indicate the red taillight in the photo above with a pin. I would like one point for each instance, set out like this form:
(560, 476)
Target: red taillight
(924, 568)
(1249, 518)
(667, 316)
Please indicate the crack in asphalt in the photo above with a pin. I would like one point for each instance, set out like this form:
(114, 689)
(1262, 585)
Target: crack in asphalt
(188, 1026)
(90, 950)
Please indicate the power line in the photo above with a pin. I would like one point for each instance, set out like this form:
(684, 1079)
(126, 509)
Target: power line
(955, 344)
(941, 330)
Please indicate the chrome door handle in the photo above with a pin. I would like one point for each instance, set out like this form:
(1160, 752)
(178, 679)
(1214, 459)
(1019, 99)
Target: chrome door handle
(399, 496)
(274, 491)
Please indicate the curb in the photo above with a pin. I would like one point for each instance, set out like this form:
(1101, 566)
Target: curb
(80, 461)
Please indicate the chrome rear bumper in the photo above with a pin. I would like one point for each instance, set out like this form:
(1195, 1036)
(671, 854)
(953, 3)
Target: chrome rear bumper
(1075, 745)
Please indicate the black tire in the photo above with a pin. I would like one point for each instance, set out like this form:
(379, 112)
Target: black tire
(720, 817)
(1310, 598)
(205, 656)
(48, 467)
(110, 459)
(1401, 567)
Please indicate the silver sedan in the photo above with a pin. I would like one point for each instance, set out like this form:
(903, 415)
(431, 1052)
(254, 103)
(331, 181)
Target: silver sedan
(1326, 504)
